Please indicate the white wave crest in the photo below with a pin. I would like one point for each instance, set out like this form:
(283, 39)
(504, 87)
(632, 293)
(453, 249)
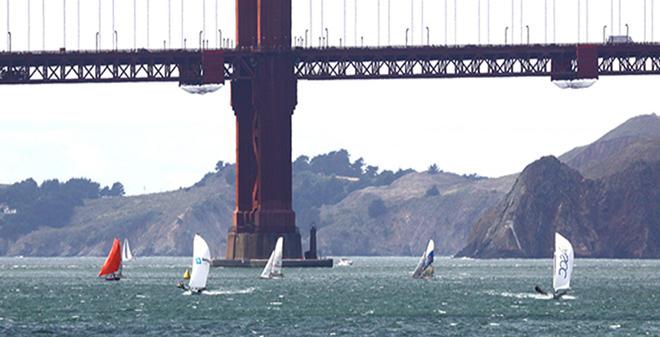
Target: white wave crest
(229, 292)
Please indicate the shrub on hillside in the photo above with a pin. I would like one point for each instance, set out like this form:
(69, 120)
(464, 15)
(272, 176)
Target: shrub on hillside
(377, 208)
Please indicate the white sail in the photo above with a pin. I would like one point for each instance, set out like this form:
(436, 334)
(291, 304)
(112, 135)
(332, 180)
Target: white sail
(126, 254)
(425, 265)
(563, 263)
(273, 267)
(200, 264)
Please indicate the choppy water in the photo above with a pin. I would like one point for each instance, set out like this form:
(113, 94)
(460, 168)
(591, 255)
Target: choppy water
(374, 297)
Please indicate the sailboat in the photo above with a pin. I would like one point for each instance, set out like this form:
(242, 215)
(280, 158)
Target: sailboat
(126, 254)
(562, 268)
(201, 264)
(424, 267)
(273, 268)
(111, 269)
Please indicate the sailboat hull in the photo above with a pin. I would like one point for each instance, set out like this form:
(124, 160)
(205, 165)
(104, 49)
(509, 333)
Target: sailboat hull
(112, 277)
(558, 294)
(272, 277)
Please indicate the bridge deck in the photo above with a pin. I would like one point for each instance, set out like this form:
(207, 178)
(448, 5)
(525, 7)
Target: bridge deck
(189, 66)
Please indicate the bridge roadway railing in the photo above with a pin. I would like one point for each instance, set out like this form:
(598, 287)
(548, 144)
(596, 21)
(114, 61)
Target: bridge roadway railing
(188, 66)
(121, 66)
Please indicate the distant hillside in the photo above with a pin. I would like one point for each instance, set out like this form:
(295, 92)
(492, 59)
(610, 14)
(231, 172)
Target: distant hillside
(638, 139)
(615, 216)
(163, 223)
(156, 224)
(362, 210)
(398, 219)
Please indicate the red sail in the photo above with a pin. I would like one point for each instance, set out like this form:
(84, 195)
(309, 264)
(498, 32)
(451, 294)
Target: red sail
(113, 261)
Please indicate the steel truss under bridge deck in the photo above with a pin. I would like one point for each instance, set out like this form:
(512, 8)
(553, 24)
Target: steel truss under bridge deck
(186, 66)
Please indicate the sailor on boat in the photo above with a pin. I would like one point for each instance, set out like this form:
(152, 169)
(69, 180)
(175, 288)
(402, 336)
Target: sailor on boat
(562, 268)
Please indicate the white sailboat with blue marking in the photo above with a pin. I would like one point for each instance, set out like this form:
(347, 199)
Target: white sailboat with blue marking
(562, 268)
(201, 265)
(424, 269)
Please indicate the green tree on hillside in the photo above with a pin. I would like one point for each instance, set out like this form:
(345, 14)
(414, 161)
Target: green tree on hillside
(117, 190)
(50, 204)
(336, 163)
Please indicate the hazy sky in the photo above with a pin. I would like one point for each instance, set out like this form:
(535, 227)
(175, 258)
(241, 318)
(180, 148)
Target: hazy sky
(156, 137)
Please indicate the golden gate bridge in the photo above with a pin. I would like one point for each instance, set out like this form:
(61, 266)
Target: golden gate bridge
(264, 65)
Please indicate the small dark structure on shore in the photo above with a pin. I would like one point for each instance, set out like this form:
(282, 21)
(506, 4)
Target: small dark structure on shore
(311, 253)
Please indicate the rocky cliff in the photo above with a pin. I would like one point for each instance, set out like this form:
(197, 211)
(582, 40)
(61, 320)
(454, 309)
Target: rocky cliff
(614, 216)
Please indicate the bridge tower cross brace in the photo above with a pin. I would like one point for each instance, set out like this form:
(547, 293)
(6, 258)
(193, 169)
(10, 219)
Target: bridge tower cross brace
(263, 106)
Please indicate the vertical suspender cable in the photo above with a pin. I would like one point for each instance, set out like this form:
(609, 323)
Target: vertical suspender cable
(412, 22)
(446, 24)
(99, 32)
(545, 21)
(512, 20)
(183, 39)
(378, 13)
(619, 17)
(216, 20)
(28, 25)
(521, 22)
(43, 24)
(421, 22)
(8, 29)
(114, 30)
(355, 15)
(611, 16)
(203, 22)
(455, 22)
(554, 21)
(64, 24)
(344, 22)
(578, 21)
(78, 22)
(587, 21)
(322, 14)
(134, 25)
(389, 22)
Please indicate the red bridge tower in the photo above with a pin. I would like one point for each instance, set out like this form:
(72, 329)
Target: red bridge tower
(264, 106)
